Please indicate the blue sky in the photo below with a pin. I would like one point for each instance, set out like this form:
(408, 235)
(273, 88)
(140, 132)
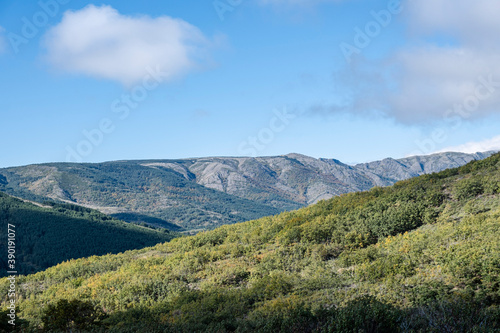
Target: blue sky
(352, 80)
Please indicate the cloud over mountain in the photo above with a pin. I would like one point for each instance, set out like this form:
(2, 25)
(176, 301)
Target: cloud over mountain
(492, 144)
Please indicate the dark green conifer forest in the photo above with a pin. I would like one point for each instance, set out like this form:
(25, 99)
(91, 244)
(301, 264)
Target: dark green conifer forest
(51, 233)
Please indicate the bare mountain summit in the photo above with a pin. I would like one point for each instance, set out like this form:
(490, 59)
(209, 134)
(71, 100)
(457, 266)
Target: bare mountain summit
(298, 179)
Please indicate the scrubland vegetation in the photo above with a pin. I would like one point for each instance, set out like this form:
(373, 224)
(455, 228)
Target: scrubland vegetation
(420, 256)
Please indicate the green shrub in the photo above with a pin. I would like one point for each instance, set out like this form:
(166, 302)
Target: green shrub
(468, 188)
(365, 315)
(69, 315)
(271, 286)
(491, 186)
(287, 315)
(455, 315)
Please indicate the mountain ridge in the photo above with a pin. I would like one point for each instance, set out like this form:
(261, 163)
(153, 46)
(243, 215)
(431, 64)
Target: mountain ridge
(420, 256)
(203, 193)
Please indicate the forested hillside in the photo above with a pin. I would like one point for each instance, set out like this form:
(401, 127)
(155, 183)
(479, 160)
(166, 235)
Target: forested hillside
(51, 234)
(132, 192)
(420, 256)
(204, 193)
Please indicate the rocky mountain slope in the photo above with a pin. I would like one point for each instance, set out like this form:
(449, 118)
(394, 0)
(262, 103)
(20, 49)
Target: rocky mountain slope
(306, 180)
(420, 256)
(132, 192)
(390, 170)
(203, 193)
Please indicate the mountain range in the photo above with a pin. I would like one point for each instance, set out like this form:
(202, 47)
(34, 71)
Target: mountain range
(203, 193)
(420, 256)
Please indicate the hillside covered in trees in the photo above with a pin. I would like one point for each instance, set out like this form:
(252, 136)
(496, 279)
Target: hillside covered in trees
(420, 256)
(52, 233)
(204, 193)
(132, 192)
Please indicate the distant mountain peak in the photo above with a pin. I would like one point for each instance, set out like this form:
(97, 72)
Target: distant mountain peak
(298, 156)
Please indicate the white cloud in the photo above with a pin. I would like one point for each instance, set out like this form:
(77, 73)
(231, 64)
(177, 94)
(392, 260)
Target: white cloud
(432, 81)
(428, 78)
(434, 78)
(100, 42)
(474, 22)
(492, 144)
